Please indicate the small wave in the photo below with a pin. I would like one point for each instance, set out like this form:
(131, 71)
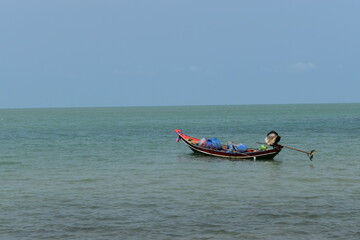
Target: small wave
(5, 163)
(85, 180)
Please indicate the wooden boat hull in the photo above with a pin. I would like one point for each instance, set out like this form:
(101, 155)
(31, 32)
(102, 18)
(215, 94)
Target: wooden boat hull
(192, 143)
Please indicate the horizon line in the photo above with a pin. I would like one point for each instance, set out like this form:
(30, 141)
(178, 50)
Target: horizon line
(183, 105)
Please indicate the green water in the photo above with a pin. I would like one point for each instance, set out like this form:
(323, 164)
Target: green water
(117, 173)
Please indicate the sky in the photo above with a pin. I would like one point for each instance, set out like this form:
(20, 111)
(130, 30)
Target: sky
(110, 53)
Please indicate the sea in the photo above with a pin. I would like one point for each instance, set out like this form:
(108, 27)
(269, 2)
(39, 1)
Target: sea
(118, 173)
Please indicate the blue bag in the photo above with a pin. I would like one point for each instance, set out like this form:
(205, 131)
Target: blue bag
(240, 148)
(213, 143)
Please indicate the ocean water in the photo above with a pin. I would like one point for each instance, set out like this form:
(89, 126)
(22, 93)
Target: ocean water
(118, 173)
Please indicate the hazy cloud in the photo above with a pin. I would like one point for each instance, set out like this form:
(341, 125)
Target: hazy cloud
(303, 66)
(194, 68)
(296, 67)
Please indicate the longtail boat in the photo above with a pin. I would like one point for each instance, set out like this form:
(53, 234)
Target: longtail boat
(224, 151)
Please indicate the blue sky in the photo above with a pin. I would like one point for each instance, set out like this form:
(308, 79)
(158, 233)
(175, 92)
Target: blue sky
(93, 53)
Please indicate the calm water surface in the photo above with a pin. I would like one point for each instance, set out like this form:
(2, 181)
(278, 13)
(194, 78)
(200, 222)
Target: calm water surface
(117, 173)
